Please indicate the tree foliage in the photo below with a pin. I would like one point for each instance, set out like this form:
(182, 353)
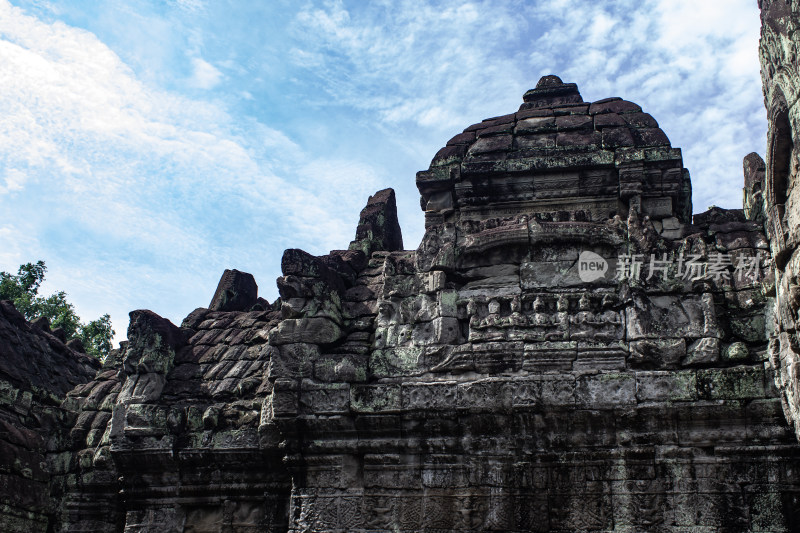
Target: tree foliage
(22, 289)
(96, 336)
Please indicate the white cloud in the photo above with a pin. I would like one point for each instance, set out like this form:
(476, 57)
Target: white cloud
(14, 180)
(136, 196)
(692, 65)
(407, 61)
(204, 74)
(16, 242)
(191, 6)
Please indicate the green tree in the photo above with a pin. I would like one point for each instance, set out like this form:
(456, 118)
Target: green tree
(96, 336)
(22, 289)
(25, 283)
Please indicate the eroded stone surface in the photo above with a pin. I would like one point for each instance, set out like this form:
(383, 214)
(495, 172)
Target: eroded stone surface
(378, 228)
(37, 370)
(773, 197)
(479, 383)
(237, 291)
(568, 349)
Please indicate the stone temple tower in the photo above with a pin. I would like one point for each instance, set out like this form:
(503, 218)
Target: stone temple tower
(567, 350)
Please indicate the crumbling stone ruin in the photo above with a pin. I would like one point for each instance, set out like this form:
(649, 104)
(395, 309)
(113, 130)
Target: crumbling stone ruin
(568, 349)
(37, 370)
(772, 196)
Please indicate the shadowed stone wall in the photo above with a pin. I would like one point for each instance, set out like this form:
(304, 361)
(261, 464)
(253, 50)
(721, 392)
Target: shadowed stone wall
(36, 371)
(565, 351)
(774, 195)
(568, 349)
(480, 383)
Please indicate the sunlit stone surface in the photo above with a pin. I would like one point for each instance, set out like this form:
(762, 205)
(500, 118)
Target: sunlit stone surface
(567, 350)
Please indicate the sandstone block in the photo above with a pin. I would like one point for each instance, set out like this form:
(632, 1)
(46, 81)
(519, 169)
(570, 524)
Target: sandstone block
(657, 353)
(606, 390)
(659, 386)
(236, 291)
(305, 330)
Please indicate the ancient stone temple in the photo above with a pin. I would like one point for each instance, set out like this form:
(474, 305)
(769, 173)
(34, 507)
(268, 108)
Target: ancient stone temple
(772, 196)
(568, 349)
(37, 370)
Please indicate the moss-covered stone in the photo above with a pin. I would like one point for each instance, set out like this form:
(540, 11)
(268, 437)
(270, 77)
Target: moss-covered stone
(738, 383)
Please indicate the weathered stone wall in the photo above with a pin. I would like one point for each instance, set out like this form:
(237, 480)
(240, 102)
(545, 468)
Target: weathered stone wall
(36, 371)
(567, 350)
(479, 383)
(168, 434)
(486, 381)
(775, 195)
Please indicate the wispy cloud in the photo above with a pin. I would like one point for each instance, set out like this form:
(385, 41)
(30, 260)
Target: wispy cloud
(419, 63)
(128, 185)
(204, 74)
(192, 6)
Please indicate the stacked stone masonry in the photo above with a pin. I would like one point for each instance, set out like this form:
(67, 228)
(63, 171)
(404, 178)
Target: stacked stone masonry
(500, 377)
(37, 370)
(773, 197)
(477, 383)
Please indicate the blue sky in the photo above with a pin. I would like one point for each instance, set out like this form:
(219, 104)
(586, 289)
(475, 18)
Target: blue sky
(147, 146)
